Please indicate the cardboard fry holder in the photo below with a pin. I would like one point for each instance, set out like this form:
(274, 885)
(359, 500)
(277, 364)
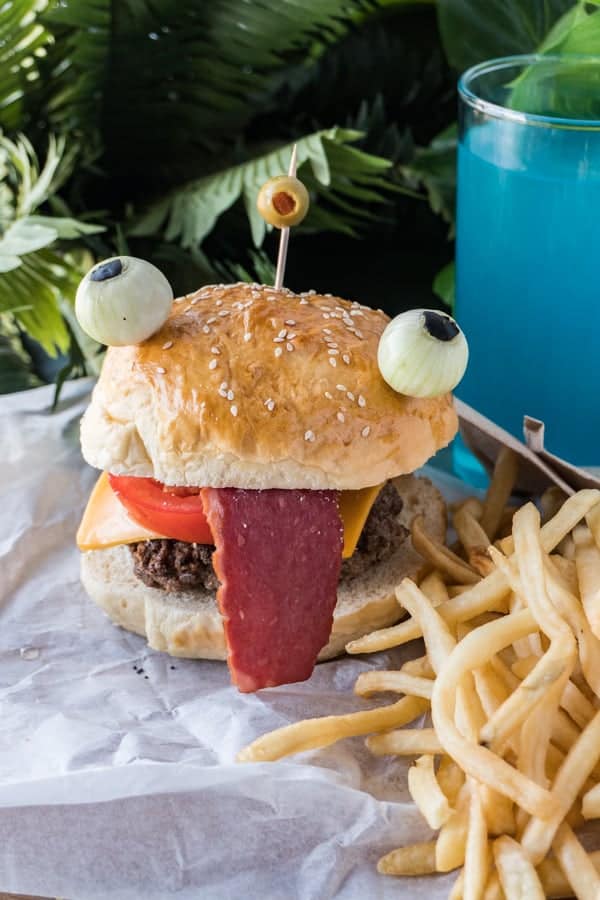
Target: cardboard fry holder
(538, 468)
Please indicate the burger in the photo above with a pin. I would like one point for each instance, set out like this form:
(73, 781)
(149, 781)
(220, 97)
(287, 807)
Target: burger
(256, 488)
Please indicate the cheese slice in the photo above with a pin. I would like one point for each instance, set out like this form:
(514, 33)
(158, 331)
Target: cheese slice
(107, 523)
(355, 507)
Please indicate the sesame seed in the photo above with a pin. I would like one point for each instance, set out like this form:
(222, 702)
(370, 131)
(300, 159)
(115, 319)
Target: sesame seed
(356, 312)
(248, 336)
(327, 331)
(341, 417)
(358, 333)
(311, 293)
(361, 400)
(303, 302)
(212, 364)
(278, 351)
(194, 301)
(290, 322)
(206, 329)
(309, 435)
(326, 316)
(215, 350)
(333, 352)
(289, 347)
(233, 410)
(255, 295)
(271, 405)
(328, 395)
(211, 320)
(223, 386)
(332, 361)
(160, 370)
(291, 337)
(218, 303)
(230, 394)
(278, 340)
(223, 312)
(365, 431)
(340, 387)
(179, 299)
(350, 395)
(223, 393)
(282, 333)
(168, 345)
(346, 358)
(267, 401)
(330, 343)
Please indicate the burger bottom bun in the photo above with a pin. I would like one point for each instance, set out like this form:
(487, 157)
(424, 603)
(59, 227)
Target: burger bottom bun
(188, 623)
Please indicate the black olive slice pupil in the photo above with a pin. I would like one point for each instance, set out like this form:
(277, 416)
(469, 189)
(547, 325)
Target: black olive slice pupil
(440, 326)
(107, 270)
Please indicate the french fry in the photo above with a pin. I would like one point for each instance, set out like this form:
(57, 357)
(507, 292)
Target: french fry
(416, 859)
(313, 733)
(574, 772)
(587, 562)
(385, 638)
(450, 778)
(569, 607)
(419, 667)
(439, 555)
(452, 840)
(493, 889)
(566, 570)
(436, 634)
(553, 880)
(551, 501)
(469, 531)
(555, 666)
(405, 742)
(593, 522)
(477, 856)
(377, 681)
(590, 806)
(455, 590)
(480, 763)
(576, 864)
(517, 876)
(500, 488)
(429, 798)
(456, 892)
(434, 588)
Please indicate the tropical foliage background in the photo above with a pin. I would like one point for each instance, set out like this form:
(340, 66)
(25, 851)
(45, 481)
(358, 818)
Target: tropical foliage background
(147, 127)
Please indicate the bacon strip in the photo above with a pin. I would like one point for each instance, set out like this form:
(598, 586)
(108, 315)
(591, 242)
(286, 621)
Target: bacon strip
(278, 557)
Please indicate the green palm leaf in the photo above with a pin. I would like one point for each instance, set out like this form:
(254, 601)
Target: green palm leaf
(339, 172)
(169, 83)
(23, 40)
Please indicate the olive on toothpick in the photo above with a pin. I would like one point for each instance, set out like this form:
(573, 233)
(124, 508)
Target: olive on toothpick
(283, 201)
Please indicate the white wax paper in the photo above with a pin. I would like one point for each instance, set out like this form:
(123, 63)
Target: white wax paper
(123, 785)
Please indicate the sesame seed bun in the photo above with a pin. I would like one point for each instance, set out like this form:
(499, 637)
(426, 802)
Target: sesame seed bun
(251, 387)
(187, 623)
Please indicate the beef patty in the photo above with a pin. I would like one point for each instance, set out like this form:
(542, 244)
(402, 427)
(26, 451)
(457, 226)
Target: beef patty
(176, 565)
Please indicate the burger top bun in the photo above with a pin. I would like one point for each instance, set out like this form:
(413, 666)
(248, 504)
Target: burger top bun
(251, 387)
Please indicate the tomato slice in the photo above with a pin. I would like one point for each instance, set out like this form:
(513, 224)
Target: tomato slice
(176, 512)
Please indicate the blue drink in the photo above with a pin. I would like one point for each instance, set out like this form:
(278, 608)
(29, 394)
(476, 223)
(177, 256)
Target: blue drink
(528, 242)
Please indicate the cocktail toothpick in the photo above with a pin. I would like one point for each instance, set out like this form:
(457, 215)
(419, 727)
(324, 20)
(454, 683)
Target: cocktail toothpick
(283, 201)
(284, 238)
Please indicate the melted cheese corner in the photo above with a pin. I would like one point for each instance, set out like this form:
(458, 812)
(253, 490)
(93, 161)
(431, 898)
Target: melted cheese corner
(106, 522)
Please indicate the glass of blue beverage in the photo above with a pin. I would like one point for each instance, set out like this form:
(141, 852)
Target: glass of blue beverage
(528, 246)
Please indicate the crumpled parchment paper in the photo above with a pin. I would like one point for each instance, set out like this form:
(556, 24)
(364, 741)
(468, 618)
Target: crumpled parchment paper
(121, 785)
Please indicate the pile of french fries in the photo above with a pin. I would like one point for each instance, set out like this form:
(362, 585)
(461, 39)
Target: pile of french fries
(510, 682)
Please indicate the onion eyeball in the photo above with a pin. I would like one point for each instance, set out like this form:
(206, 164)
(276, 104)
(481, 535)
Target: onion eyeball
(123, 300)
(422, 353)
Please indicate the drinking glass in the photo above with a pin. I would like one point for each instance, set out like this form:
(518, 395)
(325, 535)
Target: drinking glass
(528, 246)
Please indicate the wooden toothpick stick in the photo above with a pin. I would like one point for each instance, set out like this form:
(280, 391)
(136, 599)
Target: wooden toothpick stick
(285, 232)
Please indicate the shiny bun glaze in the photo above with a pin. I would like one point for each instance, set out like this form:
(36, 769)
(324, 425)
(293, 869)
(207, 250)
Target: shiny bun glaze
(248, 386)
